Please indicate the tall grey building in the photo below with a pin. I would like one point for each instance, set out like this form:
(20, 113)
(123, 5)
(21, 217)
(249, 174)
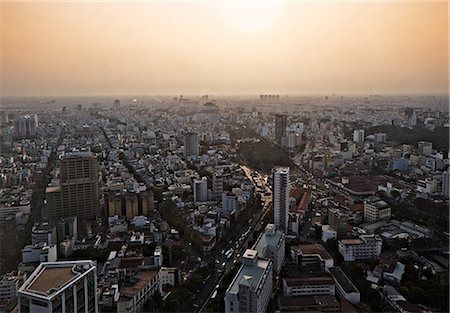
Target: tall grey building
(281, 197)
(280, 127)
(190, 145)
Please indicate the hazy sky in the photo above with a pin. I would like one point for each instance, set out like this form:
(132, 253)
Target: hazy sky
(223, 48)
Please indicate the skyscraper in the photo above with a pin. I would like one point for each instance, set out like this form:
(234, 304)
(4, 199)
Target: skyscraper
(280, 127)
(190, 145)
(446, 184)
(78, 193)
(68, 286)
(281, 197)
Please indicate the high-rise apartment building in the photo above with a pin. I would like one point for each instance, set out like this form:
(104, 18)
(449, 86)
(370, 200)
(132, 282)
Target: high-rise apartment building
(217, 185)
(190, 145)
(68, 286)
(358, 135)
(25, 126)
(201, 190)
(281, 197)
(78, 193)
(446, 184)
(271, 245)
(280, 127)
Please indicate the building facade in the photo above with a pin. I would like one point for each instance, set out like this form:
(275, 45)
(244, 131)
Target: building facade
(251, 288)
(281, 197)
(79, 191)
(68, 286)
(365, 247)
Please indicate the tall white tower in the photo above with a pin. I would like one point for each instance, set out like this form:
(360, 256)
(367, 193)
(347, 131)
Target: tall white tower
(281, 197)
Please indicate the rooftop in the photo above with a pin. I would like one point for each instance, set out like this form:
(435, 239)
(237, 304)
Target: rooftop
(313, 249)
(249, 275)
(51, 277)
(342, 279)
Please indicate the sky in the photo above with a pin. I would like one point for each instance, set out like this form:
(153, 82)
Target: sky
(223, 48)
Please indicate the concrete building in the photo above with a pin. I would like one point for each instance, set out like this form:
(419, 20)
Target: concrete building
(191, 145)
(379, 137)
(271, 245)
(9, 284)
(311, 257)
(362, 248)
(201, 190)
(337, 220)
(40, 252)
(78, 193)
(281, 197)
(446, 184)
(169, 276)
(309, 285)
(129, 204)
(425, 147)
(68, 286)
(25, 127)
(217, 185)
(358, 135)
(44, 232)
(251, 288)
(138, 291)
(280, 127)
(376, 209)
(229, 202)
(344, 286)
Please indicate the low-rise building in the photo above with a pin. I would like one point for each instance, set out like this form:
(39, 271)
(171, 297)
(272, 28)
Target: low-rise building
(364, 247)
(311, 256)
(344, 286)
(309, 285)
(135, 294)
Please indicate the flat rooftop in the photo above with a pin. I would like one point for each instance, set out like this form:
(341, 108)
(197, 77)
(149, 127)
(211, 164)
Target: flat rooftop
(51, 278)
(267, 240)
(351, 241)
(249, 275)
(313, 249)
(343, 280)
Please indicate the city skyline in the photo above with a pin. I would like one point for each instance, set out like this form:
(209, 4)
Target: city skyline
(224, 48)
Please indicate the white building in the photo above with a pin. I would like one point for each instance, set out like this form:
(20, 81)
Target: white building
(158, 256)
(376, 209)
(201, 190)
(309, 286)
(251, 288)
(328, 233)
(229, 202)
(281, 197)
(358, 135)
(60, 287)
(39, 253)
(169, 276)
(365, 247)
(270, 245)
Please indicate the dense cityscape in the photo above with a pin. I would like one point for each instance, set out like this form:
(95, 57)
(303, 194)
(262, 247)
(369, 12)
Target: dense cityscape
(201, 203)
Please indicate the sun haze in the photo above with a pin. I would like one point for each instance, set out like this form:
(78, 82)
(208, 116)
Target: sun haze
(223, 48)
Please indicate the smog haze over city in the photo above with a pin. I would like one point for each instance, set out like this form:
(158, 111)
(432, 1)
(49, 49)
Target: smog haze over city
(224, 156)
